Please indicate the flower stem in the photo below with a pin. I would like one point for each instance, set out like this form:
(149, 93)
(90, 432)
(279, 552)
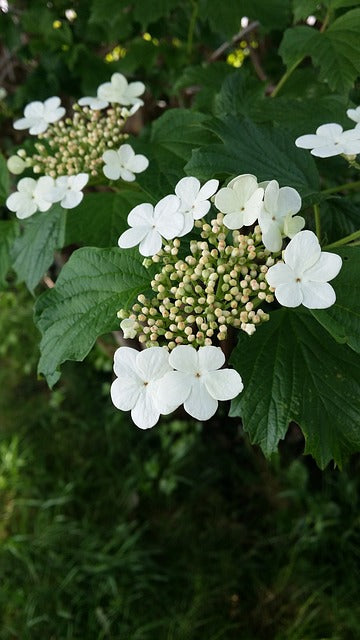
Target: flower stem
(341, 187)
(190, 38)
(285, 77)
(317, 221)
(345, 240)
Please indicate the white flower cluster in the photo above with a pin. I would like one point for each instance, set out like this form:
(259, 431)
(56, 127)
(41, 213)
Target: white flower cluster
(154, 382)
(159, 379)
(330, 139)
(39, 195)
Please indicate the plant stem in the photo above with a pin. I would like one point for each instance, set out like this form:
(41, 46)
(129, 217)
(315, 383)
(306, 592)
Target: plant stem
(285, 77)
(192, 23)
(317, 221)
(345, 240)
(341, 187)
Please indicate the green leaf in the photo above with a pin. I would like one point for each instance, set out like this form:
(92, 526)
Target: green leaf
(340, 216)
(92, 286)
(101, 218)
(147, 12)
(9, 229)
(336, 51)
(342, 320)
(248, 148)
(4, 180)
(239, 94)
(33, 251)
(304, 8)
(294, 371)
(203, 82)
(172, 139)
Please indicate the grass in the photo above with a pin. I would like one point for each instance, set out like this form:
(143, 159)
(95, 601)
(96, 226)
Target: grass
(180, 533)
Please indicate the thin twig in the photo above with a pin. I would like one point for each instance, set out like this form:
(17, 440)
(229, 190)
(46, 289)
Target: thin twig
(239, 36)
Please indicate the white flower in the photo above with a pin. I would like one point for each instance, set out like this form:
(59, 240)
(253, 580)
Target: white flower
(354, 114)
(3, 93)
(96, 104)
(330, 140)
(194, 200)
(276, 217)
(197, 381)
(38, 115)
(139, 374)
(241, 201)
(303, 279)
(148, 224)
(128, 327)
(118, 90)
(31, 196)
(123, 163)
(68, 190)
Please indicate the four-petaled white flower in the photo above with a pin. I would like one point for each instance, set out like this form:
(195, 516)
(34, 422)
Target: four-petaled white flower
(38, 115)
(303, 279)
(120, 91)
(198, 381)
(68, 190)
(276, 217)
(354, 114)
(96, 104)
(31, 196)
(149, 224)
(194, 200)
(136, 386)
(241, 201)
(123, 163)
(330, 140)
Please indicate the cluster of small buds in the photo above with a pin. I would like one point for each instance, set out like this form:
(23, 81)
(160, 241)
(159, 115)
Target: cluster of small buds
(197, 299)
(76, 145)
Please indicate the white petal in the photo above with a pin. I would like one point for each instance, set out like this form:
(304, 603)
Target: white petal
(166, 206)
(172, 390)
(289, 294)
(125, 362)
(292, 225)
(352, 147)
(317, 295)
(112, 171)
(271, 197)
(51, 104)
(354, 114)
(127, 175)
(272, 238)
(325, 269)
(133, 236)
(253, 207)
(310, 141)
(200, 209)
(170, 226)
(145, 415)
(240, 177)
(119, 82)
(207, 190)
(187, 189)
(22, 123)
(226, 201)
(234, 220)
(20, 201)
(210, 358)
(244, 187)
(138, 163)
(27, 185)
(125, 392)
(125, 153)
(79, 181)
(200, 404)
(188, 224)
(111, 157)
(331, 130)
(151, 243)
(71, 199)
(302, 251)
(34, 110)
(280, 274)
(224, 384)
(184, 358)
(141, 215)
(289, 201)
(153, 363)
(135, 89)
(43, 205)
(327, 151)
(39, 127)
